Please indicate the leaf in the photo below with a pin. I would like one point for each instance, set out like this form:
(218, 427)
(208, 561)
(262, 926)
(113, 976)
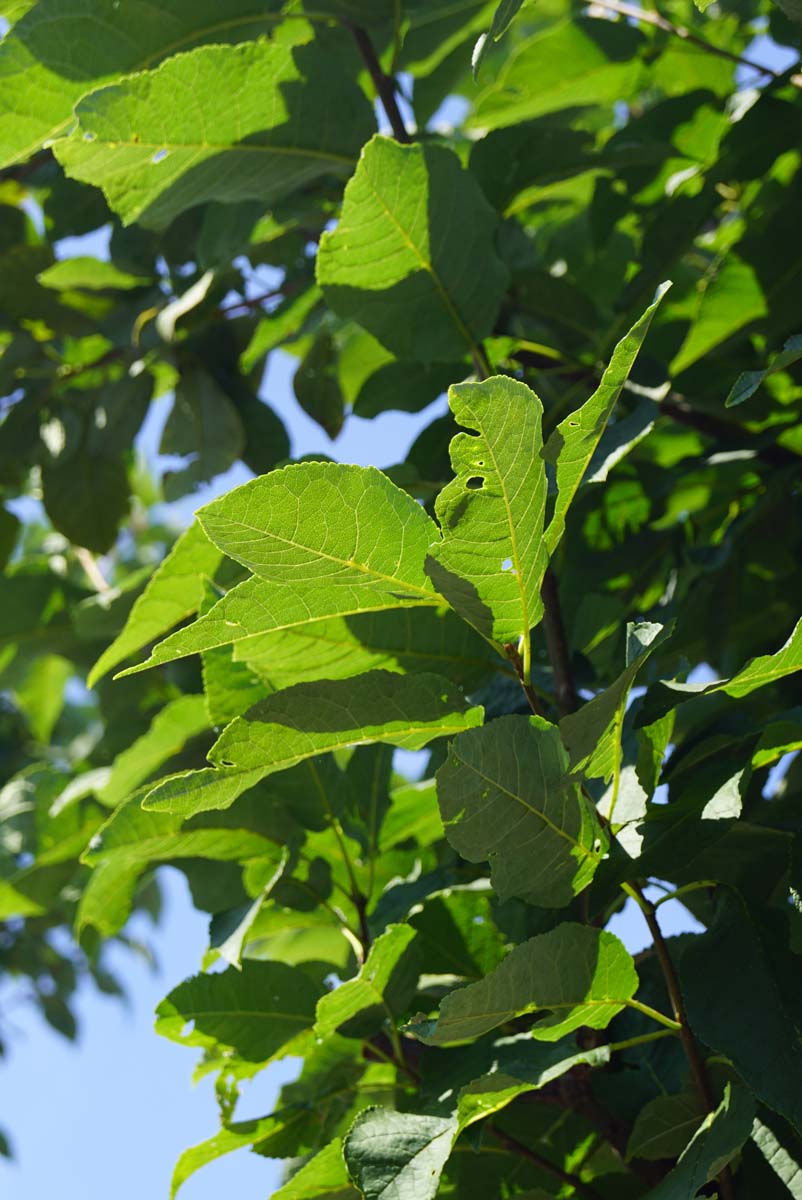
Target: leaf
(40, 89)
(505, 795)
(593, 734)
(91, 274)
(718, 1140)
(174, 592)
(665, 1126)
(324, 1177)
(715, 965)
(391, 1155)
(396, 640)
(758, 673)
(569, 64)
(256, 1012)
(317, 387)
(86, 498)
(733, 299)
(748, 382)
(367, 553)
(309, 719)
(379, 993)
(171, 728)
(572, 446)
(276, 134)
(203, 423)
(783, 1159)
(573, 976)
(235, 1136)
(229, 931)
(503, 17)
(491, 561)
(412, 259)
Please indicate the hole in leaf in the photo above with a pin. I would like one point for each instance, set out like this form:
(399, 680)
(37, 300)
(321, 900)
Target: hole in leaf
(226, 762)
(187, 1029)
(89, 136)
(475, 483)
(506, 564)
(159, 156)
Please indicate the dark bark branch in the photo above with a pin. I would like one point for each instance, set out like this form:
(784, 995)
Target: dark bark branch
(384, 85)
(557, 647)
(678, 409)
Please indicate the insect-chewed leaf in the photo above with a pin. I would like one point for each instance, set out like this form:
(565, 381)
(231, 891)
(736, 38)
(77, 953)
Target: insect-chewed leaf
(506, 795)
(491, 561)
(412, 259)
(403, 710)
(574, 975)
(290, 117)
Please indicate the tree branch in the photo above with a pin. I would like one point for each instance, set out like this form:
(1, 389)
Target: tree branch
(557, 647)
(678, 409)
(515, 1147)
(695, 1061)
(650, 17)
(384, 85)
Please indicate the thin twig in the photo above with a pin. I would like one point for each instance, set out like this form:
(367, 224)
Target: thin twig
(91, 569)
(650, 17)
(695, 1061)
(515, 1147)
(678, 409)
(557, 647)
(384, 85)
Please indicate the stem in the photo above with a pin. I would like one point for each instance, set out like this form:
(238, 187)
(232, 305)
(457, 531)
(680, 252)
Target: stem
(628, 1043)
(648, 17)
(726, 431)
(384, 85)
(557, 646)
(515, 1147)
(682, 891)
(520, 671)
(655, 1015)
(695, 1061)
(91, 569)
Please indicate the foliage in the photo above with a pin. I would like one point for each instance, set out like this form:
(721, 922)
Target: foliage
(577, 599)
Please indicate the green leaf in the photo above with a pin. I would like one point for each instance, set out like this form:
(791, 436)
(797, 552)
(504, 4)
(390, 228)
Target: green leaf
(503, 17)
(713, 967)
(748, 382)
(203, 423)
(415, 238)
(175, 591)
(573, 976)
(91, 274)
(506, 796)
(317, 387)
(593, 734)
(717, 1141)
(324, 1177)
(256, 1012)
(379, 993)
(569, 64)
(40, 88)
(665, 1126)
(396, 640)
(491, 561)
(366, 553)
(785, 1160)
(154, 159)
(309, 719)
(732, 300)
(758, 673)
(170, 730)
(573, 444)
(86, 498)
(391, 1155)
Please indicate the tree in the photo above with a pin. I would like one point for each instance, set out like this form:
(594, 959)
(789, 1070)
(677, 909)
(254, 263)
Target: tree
(579, 594)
